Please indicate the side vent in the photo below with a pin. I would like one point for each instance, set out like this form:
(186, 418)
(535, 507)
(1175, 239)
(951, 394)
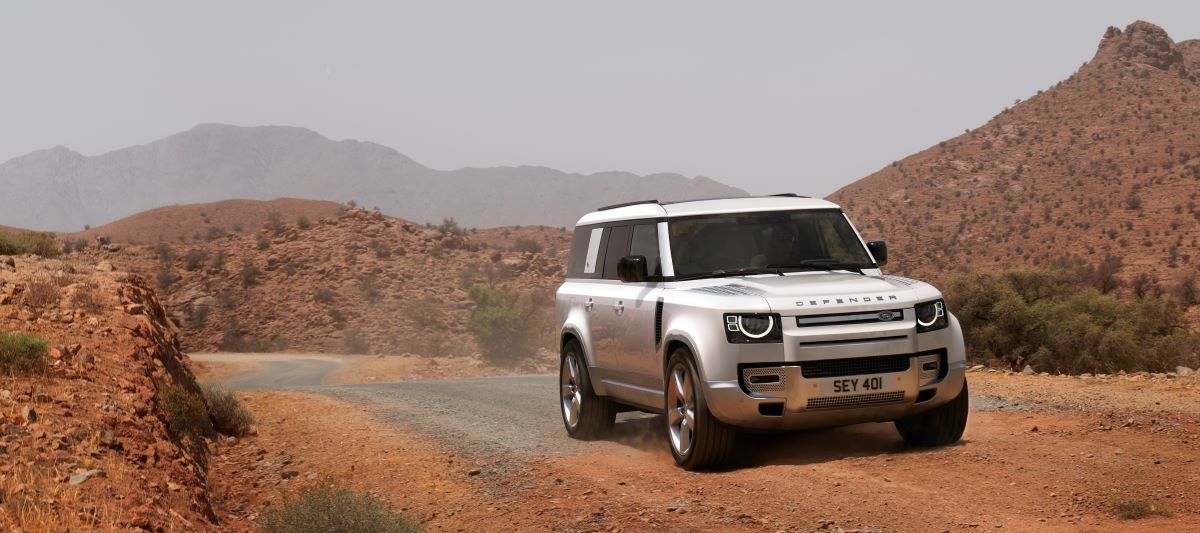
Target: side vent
(658, 323)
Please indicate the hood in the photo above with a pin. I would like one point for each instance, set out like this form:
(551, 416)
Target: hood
(825, 292)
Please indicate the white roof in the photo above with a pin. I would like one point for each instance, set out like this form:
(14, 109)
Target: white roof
(704, 207)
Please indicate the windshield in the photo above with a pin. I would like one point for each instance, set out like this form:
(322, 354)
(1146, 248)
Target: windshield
(774, 241)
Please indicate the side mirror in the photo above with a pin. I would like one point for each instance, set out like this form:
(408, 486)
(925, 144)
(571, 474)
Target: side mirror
(632, 269)
(878, 251)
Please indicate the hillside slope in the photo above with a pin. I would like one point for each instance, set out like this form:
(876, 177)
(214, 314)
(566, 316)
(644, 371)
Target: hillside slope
(59, 189)
(1105, 162)
(196, 222)
(357, 282)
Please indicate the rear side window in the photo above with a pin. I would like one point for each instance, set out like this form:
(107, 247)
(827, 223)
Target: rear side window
(645, 243)
(616, 248)
(585, 252)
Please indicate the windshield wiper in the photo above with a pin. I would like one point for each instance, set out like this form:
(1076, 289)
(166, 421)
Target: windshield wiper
(733, 272)
(819, 264)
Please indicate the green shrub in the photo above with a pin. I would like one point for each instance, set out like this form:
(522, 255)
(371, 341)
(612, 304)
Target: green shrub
(229, 415)
(1138, 509)
(262, 242)
(322, 508)
(194, 258)
(218, 260)
(1054, 320)
(21, 353)
(303, 223)
(42, 244)
(503, 324)
(186, 412)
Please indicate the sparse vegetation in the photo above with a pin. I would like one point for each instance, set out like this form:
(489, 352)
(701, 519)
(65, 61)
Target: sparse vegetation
(1138, 509)
(303, 223)
(504, 324)
(186, 412)
(356, 342)
(324, 295)
(1052, 319)
(227, 412)
(262, 242)
(274, 222)
(166, 278)
(322, 508)
(22, 354)
(193, 259)
(88, 298)
(250, 274)
(218, 260)
(527, 244)
(41, 244)
(41, 294)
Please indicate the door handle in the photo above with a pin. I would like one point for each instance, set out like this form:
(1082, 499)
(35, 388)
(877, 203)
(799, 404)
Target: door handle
(619, 308)
(587, 306)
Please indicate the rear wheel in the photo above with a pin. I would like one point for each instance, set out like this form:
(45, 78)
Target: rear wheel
(939, 426)
(697, 439)
(585, 415)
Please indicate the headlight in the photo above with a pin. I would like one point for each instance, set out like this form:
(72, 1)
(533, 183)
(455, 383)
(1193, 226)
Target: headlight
(751, 328)
(931, 316)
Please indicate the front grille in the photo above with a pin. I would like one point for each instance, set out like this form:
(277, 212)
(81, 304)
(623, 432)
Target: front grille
(775, 386)
(868, 317)
(857, 400)
(857, 366)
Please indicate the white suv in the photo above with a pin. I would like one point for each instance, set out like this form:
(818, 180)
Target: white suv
(763, 313)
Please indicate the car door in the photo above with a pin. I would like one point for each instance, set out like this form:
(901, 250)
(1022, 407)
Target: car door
(629, 314)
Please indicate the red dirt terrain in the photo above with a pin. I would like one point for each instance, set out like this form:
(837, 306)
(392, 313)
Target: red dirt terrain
(1041, 453)
(1105, 162)
(86, 445)
(355, 282)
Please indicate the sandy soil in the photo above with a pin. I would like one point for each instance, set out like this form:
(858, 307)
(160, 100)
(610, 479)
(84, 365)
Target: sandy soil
(1040, 453)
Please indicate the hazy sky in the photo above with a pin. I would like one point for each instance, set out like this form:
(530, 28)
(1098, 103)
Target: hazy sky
(768, 96)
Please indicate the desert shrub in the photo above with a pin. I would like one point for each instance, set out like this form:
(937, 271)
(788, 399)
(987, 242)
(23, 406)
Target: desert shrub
(484, 273)
(381, 250)
(356, 342)
(229, 415)
(449, 226)
(324, 295)
(527, 244)
(88, 298)
(41, 294)
(1138, 509)
(164, 252)
(199, 316)
(21, 353)
(303, 223)
(35, 243)
(186, 412)
(321, 508)
(218, 260)
(214, 233)
(368, 284)
(274, 222)
(194, 259)
(1188, 288)
(250, 274)
(427, 318)
(504, 324)
(1056, 321)
(166, 277)
(262, 242)
(339, 320)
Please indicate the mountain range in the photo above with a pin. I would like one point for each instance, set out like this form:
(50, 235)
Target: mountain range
(59, 189)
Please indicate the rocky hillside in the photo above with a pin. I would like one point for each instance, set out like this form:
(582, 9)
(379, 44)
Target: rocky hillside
(357, 282)
(1104, 162)
(198, 222)
(59, 189)
(85, 438)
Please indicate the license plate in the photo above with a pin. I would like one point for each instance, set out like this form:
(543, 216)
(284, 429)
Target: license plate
(857, 385)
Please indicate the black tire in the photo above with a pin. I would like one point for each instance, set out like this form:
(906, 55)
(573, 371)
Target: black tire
(594, 414)
(939, 426)
(711, 442)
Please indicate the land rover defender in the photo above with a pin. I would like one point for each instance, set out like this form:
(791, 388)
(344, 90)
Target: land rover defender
(766, 313)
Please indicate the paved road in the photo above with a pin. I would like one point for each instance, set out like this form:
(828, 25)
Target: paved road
(275, 371)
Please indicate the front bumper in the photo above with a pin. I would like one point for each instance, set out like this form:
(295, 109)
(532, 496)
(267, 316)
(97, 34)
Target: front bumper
(801, 404)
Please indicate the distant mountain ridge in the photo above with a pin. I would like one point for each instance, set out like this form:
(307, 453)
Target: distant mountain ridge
(63, 190)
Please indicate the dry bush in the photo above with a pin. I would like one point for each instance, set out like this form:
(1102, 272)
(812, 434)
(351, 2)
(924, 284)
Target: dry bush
(89, 298)
(42, 294)
(42, 244)
(1137, 509)
(321, 508)
(187, 414)
(229, 415)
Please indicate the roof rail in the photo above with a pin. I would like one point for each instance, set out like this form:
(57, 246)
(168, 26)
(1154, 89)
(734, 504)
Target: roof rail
(790, 195)
(627, 204)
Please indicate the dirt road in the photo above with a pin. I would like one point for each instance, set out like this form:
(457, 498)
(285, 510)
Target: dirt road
(1040, 453)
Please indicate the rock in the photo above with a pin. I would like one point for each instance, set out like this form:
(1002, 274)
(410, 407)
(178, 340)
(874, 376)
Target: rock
(84, 475)
(28, 415)
(311, 475)
(474, 472)
(1028, 370)
(8, 263)
(134, 309)
(289, 474)
(1184, 371)
(104, 266)
(976, 368)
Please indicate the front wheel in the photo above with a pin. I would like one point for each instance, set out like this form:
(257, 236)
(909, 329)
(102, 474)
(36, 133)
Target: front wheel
(939, 426)
(585, 415)
(697, 439)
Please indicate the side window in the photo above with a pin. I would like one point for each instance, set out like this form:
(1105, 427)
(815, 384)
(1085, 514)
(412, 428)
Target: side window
(617, 247)
(593, 251)
(645, 243)
(585, 252)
